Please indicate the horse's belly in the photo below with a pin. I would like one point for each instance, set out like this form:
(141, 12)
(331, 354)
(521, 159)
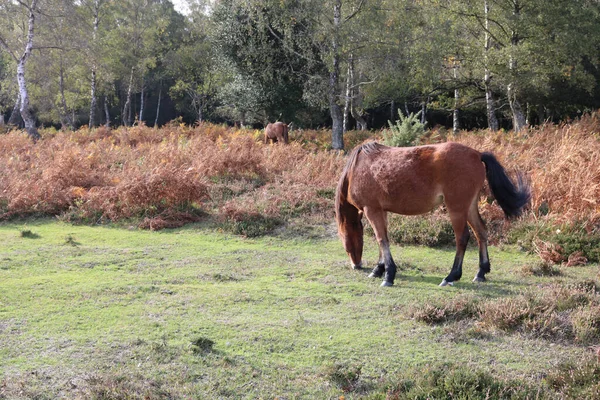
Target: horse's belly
(414, 206)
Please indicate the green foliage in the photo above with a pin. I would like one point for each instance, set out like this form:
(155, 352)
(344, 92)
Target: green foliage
(345, 376)
(576, 380)
(405, 132)
(202, 345)
(459, 382)
(573, 238)
(251, 224)
(28, 234)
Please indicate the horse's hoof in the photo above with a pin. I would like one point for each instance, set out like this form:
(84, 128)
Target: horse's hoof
(357, 266)
(386, 284)
(372, 275)
(479, 279)
(446, 283)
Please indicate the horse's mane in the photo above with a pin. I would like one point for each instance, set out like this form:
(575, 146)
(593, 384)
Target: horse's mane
(370, 147)
(342, 188)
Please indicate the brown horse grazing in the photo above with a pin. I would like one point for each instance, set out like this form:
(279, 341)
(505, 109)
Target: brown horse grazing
(415, 180)
(277, 132)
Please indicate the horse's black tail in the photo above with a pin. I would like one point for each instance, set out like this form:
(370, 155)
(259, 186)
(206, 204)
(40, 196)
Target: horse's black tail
(511, 198)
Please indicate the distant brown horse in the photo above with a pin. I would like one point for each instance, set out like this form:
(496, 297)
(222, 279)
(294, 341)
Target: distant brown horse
(277, 132)
(415, 180)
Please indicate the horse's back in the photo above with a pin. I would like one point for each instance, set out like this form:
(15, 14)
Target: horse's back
(276, 131)
(414, 180)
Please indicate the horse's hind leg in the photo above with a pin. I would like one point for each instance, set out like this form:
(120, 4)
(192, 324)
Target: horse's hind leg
(461, 233)
(480, 230)
(386, 266)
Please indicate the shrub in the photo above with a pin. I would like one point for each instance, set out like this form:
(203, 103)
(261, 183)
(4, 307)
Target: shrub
(455, 309)
(576, 380)
(405, 132)
(586, 324)
(451, 381)
(249, 224)
(344, 376)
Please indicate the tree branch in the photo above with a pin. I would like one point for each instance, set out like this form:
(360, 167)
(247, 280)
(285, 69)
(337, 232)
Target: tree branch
(349, 17)
(8, 50)
(284, 45)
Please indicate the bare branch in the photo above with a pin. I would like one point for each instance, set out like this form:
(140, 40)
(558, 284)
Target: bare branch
(284, 45)
(349, 17)
(8, 50)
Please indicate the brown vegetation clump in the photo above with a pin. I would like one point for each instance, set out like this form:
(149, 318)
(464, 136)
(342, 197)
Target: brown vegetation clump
(162, 177)
(177, 172)
(554, 312)
(562, 162)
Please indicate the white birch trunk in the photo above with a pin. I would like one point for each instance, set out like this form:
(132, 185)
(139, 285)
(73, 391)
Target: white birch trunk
(337, 132)
(106, 113)
(26, 113)
(515, 106)
(348, 98)
(356, 103)
(93, 101)
(127, 107)
(455, 121)
(489, 97)
(157, 108)
(14, 119)
(141, 118)
(424, 111)
(63, 109)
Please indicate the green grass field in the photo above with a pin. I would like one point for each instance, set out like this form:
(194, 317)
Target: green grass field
(117, 313)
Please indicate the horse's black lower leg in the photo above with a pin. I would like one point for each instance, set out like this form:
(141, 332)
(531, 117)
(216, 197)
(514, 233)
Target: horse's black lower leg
(461, 246)
(379, 268)
(484, 263)
(386, 266)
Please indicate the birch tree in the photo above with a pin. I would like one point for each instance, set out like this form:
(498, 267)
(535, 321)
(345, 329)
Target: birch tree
(29, 10)
(490, 106)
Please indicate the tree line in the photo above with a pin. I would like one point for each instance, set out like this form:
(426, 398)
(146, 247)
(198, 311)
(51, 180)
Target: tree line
(343, 64)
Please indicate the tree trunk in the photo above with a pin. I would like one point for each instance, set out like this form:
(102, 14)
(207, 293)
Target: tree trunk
(455, 121)
(356, 101)
(14, 119)
(63, 110)
(337, 132)
(92, 120)
(348, 98)
(141, 118)
(157, 108)
(489, 98)
(26, 112)
(515, 106)
(424, 111)
(106, 113)
(518, 116)
(392, 110)
(126, 117)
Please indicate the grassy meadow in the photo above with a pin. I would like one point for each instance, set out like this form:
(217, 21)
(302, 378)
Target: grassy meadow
(116, 313)
(197, 262)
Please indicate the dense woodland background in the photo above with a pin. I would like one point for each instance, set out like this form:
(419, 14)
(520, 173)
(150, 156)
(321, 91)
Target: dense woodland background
(343, 64)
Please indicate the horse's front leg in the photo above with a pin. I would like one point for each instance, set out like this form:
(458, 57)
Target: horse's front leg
(386, 266)
(380, 267)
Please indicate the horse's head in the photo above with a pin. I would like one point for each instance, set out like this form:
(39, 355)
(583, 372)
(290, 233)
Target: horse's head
(350, 230)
